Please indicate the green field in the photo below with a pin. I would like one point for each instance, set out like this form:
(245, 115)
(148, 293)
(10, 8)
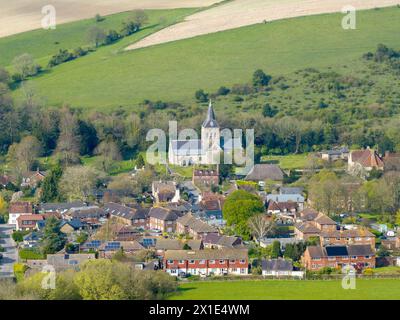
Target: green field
(289, 290)
(110, 78)
(288, 162)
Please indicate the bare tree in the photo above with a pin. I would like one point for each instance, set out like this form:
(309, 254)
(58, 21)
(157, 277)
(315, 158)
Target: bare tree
(260, 226)
(96, 35)
(23, 155)
(25, 66)
(109, 153)
(68, 141)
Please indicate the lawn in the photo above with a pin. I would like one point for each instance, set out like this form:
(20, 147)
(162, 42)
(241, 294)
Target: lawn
(289, 290)
(292, 161)
(174, 71)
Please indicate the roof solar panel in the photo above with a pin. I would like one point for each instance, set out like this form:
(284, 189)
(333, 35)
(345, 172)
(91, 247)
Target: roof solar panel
(336, 251)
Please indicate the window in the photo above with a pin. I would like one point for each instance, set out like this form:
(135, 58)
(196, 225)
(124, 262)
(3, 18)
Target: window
(242, 271)
(202, 261)
(191, 261)
(221, 261)
(181, 261)
(232, 261)
(242, 261)
(170, 261)
(212, 261)
(367, 257)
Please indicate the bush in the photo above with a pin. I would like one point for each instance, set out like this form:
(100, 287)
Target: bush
(19, 235)
(368, 272)
(31, 254)
(201, 96)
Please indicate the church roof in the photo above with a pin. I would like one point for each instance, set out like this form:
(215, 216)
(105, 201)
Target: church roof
(210, 121)
(187, 147)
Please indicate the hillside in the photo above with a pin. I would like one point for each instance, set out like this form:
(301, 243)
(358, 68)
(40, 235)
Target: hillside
(25, 15)
(107, 79)
(239, 13)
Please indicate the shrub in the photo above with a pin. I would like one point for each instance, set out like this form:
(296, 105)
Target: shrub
(201, 96)
(30, 254)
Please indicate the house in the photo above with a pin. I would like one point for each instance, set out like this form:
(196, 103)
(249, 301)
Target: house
(314, 227)
(335, 154)
(364, 160)
(211, 205)
(163, 245)
(216, 241)
(194, 227)
(28, 222)
(69, 226)
(165, 191)
(17, 209)
(198, 151)
(279, 268)
(63, 261)
(291, 190)
(282, 208)
(391, 161)
(205, 178)
(263, 172)
(31, 240)
(359, 256)
(296, 198)
(32, 178)
(162, 219)
(206, 262)
(347, 237)
(60, 208)
(108, 248)
(127, 233)
(136, 217)
(89, 214)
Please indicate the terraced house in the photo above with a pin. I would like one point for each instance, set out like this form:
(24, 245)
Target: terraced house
(136, 217)
(206, 262)
(194, 227)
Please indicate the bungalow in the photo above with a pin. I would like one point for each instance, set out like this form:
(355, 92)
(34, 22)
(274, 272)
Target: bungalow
(130, 216)
(279, 268)
(206, 262)
(263, 172)
(69, 226)
(194, 227)
(162, 219)
(62, 261)
(216, 241)
(358, 256)
(17, 209)
(335, 154)
(60, 208)
(282, 208)
(163, 245)
(108, 248)
(165, 191)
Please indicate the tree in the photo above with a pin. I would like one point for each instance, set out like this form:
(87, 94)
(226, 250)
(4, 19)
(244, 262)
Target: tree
(25, 66)
(135, 21)
(268, 111)
(50, 189)
(260, 79)
(276, 250)
(201, 96)
(260, 226)
(53, 239)
(398, 218)
(23, 155)
(109, 153)
(239, 206)
(4, 76)
(68, 144)
(77, 182)
(96, 36)
(140, 161)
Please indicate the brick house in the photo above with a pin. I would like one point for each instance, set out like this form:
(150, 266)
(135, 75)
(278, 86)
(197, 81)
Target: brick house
(358, 256)
(205, 178)
(28, 222)
(366, 159)
(347, 237)
(206, 262)
(314, 226)
(194, 227)
(137, 217)
(17, 209)
(162, 219)
(165, 191)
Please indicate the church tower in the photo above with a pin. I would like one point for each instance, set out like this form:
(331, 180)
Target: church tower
(210, 138)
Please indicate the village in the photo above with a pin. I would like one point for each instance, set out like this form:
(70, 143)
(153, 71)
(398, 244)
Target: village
(258, 225)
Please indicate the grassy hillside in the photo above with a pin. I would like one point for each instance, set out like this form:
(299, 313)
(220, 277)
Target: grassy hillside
(173, 71)
(287, 290)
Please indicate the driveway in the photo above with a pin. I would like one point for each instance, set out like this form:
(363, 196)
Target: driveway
(10, 256)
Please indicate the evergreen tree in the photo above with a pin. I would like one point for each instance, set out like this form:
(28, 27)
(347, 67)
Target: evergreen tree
(50, 185)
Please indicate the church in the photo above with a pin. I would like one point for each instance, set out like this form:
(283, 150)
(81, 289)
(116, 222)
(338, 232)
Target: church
(206, 150)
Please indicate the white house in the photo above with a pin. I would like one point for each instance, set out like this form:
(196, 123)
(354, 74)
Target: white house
(279, 268)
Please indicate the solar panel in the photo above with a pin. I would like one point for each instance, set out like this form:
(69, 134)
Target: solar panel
(336, 251)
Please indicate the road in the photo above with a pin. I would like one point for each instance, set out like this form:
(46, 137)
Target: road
(10, 256)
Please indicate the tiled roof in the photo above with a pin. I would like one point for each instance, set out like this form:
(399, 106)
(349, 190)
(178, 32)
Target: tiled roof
(367, 158)
(195, 224)
(163, 214)
(324, 220)
(282, 206)
(262, 172)
(206, 254)
(21, 207)
(187, 147)
(353, 233)
(307, 227)
(122, 211)
(277, 265)
(211, 121)
(340, 251)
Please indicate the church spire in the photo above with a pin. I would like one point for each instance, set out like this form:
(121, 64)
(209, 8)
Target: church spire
(210, 121)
